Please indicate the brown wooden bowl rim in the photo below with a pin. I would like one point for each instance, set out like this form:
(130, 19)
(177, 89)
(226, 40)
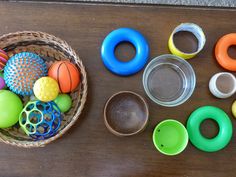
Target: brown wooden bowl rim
(111, 129)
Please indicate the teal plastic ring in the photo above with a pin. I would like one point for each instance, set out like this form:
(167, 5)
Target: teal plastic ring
(225, 128)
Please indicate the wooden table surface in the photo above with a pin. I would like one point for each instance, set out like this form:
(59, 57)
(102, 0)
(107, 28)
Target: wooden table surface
(88, 149)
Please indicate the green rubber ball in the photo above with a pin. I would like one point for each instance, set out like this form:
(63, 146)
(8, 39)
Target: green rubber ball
(64, 102)
(10, 108)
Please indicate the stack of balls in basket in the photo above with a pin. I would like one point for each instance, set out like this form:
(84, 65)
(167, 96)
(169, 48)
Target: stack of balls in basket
(26, 74)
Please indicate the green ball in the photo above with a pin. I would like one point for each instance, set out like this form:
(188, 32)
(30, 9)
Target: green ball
(64, 102)
(10, 108)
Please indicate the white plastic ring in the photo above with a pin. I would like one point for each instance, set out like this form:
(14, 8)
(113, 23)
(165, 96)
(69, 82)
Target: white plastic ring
(222, 85)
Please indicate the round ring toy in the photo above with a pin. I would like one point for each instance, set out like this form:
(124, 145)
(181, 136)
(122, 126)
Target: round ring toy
(121, 35)
(221, 51)
(196, 31)
(222, 85)
(225, 128)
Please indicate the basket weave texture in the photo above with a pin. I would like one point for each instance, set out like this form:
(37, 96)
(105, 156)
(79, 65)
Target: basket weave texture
(51, 49)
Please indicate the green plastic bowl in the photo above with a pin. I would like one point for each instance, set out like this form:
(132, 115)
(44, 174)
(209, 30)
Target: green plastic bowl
(170, 137)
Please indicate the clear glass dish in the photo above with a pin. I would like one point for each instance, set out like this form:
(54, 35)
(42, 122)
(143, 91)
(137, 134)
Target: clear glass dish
(169, 80)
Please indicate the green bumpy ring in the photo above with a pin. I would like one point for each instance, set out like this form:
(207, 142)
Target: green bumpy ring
(225, 128)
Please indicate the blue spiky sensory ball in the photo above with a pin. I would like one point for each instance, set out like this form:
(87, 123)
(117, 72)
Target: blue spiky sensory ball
(21, 72)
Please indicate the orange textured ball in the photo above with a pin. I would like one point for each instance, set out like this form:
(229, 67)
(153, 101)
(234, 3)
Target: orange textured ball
(66, 74)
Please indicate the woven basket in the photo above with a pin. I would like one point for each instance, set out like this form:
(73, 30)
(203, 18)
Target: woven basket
(51, 49)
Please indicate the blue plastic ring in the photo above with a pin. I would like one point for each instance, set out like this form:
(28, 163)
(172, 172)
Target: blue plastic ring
(124, 35)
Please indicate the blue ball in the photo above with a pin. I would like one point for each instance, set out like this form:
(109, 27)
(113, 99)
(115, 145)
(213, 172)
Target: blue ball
(21, 72)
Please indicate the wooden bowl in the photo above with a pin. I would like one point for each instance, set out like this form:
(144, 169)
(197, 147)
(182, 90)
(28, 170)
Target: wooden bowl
(126, 113)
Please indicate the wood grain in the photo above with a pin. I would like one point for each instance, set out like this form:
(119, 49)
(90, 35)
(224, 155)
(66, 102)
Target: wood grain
(209, 3)
(88, 149)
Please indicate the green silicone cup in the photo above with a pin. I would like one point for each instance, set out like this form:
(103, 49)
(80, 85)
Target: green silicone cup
(170, 137)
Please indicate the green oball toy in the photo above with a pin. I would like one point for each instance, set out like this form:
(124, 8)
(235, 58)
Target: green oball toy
(64, 102)
(10, 108)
